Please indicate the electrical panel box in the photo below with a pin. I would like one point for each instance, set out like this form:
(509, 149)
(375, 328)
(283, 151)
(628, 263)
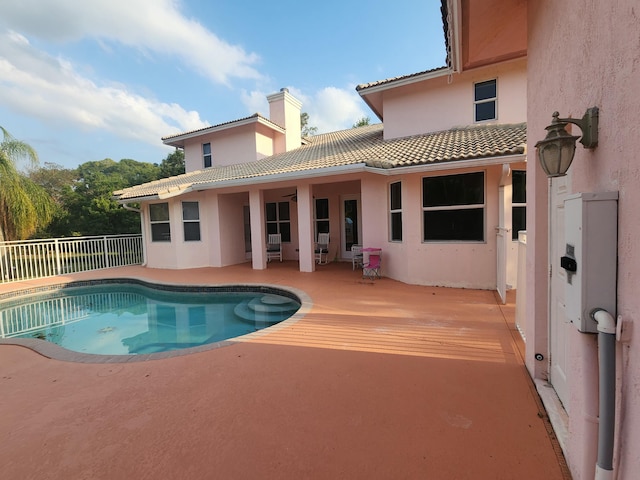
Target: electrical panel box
(590, 260)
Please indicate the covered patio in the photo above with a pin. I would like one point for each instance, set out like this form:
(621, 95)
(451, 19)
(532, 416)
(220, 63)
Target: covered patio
(379, 380)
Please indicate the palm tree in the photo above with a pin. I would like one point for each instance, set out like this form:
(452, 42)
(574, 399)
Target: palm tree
(24, 206)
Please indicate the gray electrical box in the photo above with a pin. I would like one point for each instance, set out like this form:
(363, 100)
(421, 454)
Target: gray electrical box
(590, 259)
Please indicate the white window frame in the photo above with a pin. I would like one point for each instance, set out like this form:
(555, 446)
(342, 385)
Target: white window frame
(278, 221)
(514, 234)
(317, 219)
(207, 157)
(152, 222)
(191, 221)
(493, 100)
(458, 207)
(394, 212)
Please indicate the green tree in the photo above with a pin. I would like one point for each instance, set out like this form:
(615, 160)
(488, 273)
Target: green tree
(86, 203)
(24, 205)
(172, 165)
(363, 122)
(306, 131)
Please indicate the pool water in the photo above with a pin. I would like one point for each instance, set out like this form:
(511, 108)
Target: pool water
(133, 319)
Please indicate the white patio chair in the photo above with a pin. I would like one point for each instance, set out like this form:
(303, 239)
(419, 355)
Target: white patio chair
(356, 256)
(274, 246)
(322, 248)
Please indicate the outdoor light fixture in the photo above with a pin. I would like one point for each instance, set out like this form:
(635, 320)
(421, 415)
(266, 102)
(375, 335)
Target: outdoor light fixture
(556, 151)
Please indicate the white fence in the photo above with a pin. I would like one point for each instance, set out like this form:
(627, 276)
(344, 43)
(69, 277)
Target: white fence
(29, 259)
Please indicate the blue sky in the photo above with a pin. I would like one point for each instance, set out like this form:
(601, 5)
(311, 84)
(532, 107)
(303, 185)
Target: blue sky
(82, 81)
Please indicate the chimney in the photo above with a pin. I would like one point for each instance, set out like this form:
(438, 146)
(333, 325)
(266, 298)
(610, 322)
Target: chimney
(284, 110)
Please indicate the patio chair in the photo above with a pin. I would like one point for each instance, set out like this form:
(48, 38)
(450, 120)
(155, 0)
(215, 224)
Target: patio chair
(356, 256)
(274, 246)
(322, 248)
(372, 269)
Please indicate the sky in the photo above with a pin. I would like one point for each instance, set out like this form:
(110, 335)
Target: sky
(84, 81)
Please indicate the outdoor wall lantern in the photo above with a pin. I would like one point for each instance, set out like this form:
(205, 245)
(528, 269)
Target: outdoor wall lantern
(556, 151)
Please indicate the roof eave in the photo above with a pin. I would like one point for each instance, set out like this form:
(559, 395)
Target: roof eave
(450, 165)
(178, 140)
(276, 177)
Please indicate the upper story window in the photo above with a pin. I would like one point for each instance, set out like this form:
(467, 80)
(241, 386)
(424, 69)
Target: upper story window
(395, 212)
(191, 221)
(322, 215)
(485, 101)
(453, 207)
(159, 219)
(518, 203)
(278, 219)
(206, 155)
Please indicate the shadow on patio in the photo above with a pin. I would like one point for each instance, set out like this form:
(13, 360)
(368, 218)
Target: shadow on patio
(379, 380)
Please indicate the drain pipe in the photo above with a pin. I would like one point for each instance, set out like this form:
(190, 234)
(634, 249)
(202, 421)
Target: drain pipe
(607, 392)
(139, 210)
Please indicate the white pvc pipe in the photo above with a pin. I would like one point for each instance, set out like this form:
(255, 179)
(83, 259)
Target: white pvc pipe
(607, 392)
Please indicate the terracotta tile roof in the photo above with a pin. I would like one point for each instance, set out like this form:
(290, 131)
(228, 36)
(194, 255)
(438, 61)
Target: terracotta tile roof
(364, 146)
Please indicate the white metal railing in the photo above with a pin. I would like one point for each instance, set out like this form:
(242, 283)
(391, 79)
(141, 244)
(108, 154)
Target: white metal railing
(29, 259)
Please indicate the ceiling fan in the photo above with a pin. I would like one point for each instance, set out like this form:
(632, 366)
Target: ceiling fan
(292, 196)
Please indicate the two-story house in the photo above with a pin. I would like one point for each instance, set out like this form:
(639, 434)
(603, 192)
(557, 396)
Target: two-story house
(439, 185)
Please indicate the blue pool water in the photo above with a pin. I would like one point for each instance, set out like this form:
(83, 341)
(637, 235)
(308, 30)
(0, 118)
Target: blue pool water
(130, 319)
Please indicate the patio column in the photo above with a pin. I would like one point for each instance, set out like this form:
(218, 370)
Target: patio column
(258, 239)
(305, 229)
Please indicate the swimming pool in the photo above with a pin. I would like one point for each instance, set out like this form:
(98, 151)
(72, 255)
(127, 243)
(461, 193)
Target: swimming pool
(135, 318)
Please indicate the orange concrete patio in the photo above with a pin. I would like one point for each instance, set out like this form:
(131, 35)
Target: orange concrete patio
(380, 380)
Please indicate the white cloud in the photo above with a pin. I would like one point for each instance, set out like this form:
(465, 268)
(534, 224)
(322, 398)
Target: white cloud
(38, 85)
(330, 109)
(153, 26)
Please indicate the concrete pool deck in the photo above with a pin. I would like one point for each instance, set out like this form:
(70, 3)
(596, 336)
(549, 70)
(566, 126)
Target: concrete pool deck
(379, 380)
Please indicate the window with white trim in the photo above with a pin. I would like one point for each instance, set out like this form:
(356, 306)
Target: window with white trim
(453, 207)
(191, 221)
(159, 220)
(485, 100)
(518, 202)
(279, 219)
(395, 212)
(206, 155)
(322, 215)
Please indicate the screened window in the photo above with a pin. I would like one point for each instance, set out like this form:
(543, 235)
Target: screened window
(191, 221)
(159, 219)
(395, 211)
(453, 207)
(518, 203)
(206, 155)
(322, 216)
(485, 99)
(278, 219)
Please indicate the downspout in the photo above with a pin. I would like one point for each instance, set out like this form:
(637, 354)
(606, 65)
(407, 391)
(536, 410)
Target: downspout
(144, 237)
(607, 392)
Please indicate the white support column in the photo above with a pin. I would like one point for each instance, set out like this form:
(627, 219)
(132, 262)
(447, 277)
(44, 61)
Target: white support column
(258, 237)
(215, 232)
(305, 229)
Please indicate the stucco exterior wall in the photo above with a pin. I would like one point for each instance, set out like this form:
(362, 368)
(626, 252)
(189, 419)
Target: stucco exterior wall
(579, 60)
(228, 147)
(453, 264)
(442, 103)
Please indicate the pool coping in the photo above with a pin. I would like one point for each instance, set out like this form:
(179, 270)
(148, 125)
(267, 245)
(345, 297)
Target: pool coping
(56, 352)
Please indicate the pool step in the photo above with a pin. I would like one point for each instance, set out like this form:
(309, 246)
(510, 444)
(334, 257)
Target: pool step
(268, 308)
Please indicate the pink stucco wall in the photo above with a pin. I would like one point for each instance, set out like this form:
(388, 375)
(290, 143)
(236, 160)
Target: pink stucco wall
(228, 147)
(582, 54)
(442, 103)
